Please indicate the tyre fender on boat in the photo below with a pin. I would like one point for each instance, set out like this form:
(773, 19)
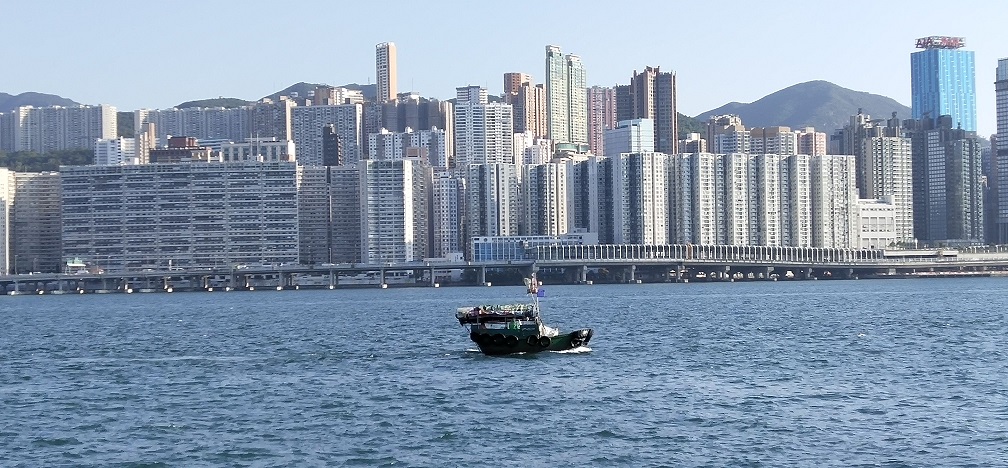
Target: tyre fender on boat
(532, 340)
(511, 340)
(498, 339)
(544, 341)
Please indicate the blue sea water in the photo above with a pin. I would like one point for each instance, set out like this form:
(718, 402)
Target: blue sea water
(816, 373)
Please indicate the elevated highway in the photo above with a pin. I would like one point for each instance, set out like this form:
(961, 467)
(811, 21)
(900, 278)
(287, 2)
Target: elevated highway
(564, 264)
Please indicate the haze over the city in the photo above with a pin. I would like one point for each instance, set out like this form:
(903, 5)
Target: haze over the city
(153, 55)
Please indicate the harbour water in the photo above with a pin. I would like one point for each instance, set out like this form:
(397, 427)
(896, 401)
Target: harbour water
(811, 373)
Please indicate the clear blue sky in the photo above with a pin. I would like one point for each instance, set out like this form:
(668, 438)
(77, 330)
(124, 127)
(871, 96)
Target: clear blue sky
(137, 54)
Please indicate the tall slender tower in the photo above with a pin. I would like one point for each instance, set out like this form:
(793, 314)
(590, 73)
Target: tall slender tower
(1000, 151)
(601, 116)
(566, 98)
(385, 71)
(943, 81)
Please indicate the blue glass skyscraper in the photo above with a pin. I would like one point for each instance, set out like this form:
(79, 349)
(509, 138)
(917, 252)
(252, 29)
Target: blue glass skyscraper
(943, 81)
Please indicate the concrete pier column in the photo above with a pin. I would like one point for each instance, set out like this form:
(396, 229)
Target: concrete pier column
(807, 273)
(633, 273)
(679, 272)
(482, 275)
(583, 276)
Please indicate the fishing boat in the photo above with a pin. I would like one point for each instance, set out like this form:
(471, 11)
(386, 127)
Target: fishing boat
(517, 328)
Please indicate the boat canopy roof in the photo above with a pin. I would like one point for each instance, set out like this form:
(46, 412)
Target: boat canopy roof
(494, 313)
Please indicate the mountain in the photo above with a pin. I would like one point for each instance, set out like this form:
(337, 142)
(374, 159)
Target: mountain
(10, 102)
(304, 90)
(818, 104)
(216, 102)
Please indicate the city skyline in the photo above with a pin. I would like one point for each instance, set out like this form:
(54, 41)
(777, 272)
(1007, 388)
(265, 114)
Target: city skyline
(878, 62)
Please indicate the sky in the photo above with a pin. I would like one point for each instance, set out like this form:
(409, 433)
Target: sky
(139, 54)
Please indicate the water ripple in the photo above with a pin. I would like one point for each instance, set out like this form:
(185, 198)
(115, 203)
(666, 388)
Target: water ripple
(865, 373)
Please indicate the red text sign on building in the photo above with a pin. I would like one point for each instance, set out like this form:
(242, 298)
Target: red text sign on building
(940, 42)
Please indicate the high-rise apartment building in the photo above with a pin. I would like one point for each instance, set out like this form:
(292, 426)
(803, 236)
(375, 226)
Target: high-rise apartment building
(216, 123)
(325, 95)
(566, 98)
(314, 199)
(115, 151)
(345, 206)
(513, 82)
(949, 183)
(47, 129)
(484, 132)
(811, 142)
(547, 199)
(653, 96)
(833, 201)
(308, 122)
(411, 111)
(639, 198)
(1000, 155)
(883, 165)
(630, 136)
(7, 188)
(190, 215)
(530, 149)
(429, 145)
(269, 119)
(601, 116)
(447, 233)
(773, 140)
(761, 199)
(888, 173)
(394, 208)
(492, 200)
(385, 71)
(726, 134)
(529, 107)
(943, 81)
(36, 222)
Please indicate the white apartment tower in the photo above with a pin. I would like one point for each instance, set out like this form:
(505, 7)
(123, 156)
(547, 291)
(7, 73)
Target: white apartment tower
(744, 199)
(888, 173)
(484, 132)
(492, 200)
(394, 210)
(385, 71)
(547, 199)
(47, 129)
(447, 192)
(640, 205)
(7, 187)
(834, 197)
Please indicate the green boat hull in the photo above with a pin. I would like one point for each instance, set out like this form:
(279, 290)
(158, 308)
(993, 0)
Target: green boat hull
(501, 342)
